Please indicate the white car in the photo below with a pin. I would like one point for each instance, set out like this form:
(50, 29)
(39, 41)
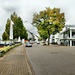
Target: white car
(38, 42)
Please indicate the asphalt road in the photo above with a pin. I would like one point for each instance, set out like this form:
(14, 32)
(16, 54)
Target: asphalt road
(52, 60)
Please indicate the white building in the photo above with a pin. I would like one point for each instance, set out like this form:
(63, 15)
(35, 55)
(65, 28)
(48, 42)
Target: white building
(31, 35)
(36, 37)
(68, 37)
(55, 38)
(65, 37)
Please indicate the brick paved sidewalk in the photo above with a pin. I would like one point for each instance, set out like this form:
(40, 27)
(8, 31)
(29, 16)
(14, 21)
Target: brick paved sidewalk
(14, 63)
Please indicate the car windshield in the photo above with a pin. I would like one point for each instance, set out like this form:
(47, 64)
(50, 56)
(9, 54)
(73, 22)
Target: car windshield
(2, 42)
(28, 43)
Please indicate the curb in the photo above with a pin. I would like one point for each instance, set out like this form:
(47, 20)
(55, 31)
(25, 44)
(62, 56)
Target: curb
(30, 68)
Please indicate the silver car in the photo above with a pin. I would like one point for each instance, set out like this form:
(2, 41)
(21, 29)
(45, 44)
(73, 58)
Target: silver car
(28, 44)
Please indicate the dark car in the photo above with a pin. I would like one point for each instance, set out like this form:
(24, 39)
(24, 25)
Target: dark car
(28, 44)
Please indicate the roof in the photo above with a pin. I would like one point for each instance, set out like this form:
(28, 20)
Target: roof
(32, 33)
(67, 28)
(64, 30)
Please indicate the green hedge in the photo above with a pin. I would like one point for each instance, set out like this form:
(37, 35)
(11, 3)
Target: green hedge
(7, 48)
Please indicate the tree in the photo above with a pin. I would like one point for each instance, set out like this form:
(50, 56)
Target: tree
(39, 38)
(7, 28)
(5, 36)
(14, 17)
(49, 20)
(43, 35)
(18, 27)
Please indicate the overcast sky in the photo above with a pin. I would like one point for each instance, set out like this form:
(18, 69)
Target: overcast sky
(26, 8)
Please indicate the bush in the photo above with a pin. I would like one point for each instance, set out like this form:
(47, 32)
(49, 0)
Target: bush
(7, 48)
(1, 55)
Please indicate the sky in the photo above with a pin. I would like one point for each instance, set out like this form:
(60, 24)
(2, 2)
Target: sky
(26, 8)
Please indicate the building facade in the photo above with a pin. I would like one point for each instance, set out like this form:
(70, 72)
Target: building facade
(30, 34)
(67, 37)
(33, 36)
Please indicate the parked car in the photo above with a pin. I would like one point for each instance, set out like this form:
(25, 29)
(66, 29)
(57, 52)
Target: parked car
(31, 42)
(38, 42)
(28, 44)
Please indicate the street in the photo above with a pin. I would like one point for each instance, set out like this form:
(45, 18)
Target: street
(52, 60)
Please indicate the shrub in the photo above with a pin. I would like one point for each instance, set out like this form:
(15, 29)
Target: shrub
(7, 48)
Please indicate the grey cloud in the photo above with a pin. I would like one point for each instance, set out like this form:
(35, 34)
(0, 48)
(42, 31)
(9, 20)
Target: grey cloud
(8, 6)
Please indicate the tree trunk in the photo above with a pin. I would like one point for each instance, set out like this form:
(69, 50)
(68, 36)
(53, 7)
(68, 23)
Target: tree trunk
(48, 37)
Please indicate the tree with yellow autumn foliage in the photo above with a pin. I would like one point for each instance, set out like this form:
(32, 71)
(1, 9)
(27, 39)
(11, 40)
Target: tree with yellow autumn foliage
(49, 20)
